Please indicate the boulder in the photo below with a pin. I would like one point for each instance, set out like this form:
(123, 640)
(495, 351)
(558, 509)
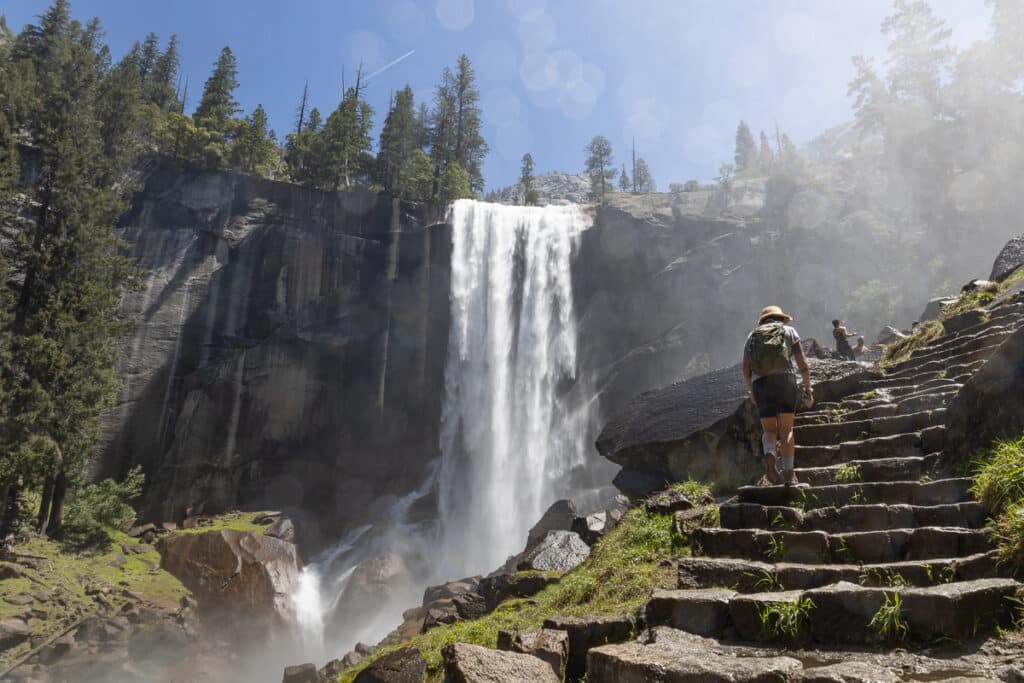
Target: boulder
(9, 570)
(932, 310)
(546, 644)
(705, 428)
(1009, 260)
(591, 527)
(450, 589)
(13, 632)
(470, 605)
(465, 663)
(332, 669)
(978, 284)
(301, 673)
(283, 529)
(401, 666)
(500, 587)
(559, 551)
(558, 517)
(888, 335)
(370, 583)
(990, 404)
(236, 572)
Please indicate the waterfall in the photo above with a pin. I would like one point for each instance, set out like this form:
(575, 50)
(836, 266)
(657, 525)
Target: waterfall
(510, 432)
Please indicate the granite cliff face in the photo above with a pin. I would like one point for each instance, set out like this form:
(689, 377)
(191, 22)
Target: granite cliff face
(289, 347)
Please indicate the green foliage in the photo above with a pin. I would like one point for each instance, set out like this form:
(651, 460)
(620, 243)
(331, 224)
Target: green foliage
(598, 166)
(888, 622)
(848, 474)
(872, 304)
(1008, 531)
(617, 578)
(694, 491)
(455, 184)
(901, 349)
(99, 509)
(768, 582)
(745, 157)
(642, 179)
(971, 301)
(776, 550)
(785, 620)
(455, 125)
(625, 184)
(218, 105)
(526, 180)
(999, 481)
(254, 149)
(878, 577)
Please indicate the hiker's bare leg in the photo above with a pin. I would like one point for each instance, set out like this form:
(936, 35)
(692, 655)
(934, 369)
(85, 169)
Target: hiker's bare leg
(769, 437)
(787, 443)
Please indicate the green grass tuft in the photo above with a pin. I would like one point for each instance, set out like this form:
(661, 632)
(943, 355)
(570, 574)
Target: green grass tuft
(785, 620)
(694, 491)
(1008, 531)
(999, 478)
(848, 474)
(901, 349)
(889, 622)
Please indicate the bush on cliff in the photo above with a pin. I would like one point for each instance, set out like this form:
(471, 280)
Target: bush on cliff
(100, 508)
(617, 578)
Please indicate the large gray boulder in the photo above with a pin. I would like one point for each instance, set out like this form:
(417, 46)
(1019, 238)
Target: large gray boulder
(474, 664)
(559, 551)
(1009, 260)
(406, 665)
(991, 404)
(558, 517)
(705, 428)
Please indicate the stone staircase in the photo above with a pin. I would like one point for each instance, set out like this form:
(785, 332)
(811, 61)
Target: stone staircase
(880, 526)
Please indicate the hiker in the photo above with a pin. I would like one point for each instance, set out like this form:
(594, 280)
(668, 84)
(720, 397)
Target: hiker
(841, 335)
(768, 370)
(860, 349)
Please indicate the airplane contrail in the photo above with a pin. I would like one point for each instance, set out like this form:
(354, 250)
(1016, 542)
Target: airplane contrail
(389, 65)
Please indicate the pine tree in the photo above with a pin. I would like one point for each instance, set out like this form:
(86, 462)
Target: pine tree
(218, 105)
(161, 84)
(530, 196)
(745, 157)
(398, 141)
(61, 346)
(765, 156)
(599, 166)
(253, 149)
(624, 182)
(642, 177)
(470, 148)
(871, 99)
(342, 153)
(919, 51)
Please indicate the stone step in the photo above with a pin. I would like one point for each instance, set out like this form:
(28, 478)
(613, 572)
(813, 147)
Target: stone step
(819, 547)
(839, 612)
(972, 515)
(882, 409)
(939, 492)
(674, 656)
(893, 446)
(752, 576)
(943, 362)
(843, 612)
(957, 347)
(898, 390)
(850, 430)
(882, 469)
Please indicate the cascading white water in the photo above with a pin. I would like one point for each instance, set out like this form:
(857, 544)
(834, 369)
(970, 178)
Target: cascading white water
(509, 433)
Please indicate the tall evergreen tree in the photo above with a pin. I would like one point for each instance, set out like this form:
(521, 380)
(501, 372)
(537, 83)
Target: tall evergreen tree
(919, 51)
(343, 152)
(599, 166)
(642, 179)
(530, 196)
(253, 149)
(398, 140)
(765, 155)
(218, 105)
(470, 148)
(625, 184)
(161, 85)
(745, 157)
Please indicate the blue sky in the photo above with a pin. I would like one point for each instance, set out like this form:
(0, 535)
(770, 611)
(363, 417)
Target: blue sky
(677, 75)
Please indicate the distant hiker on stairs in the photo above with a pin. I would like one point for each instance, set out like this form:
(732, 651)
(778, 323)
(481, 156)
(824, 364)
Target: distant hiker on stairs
(768, 369)
(842, 337)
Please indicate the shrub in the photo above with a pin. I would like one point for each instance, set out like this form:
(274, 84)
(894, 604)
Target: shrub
(901, 349)
(785, 620)
(99, 508)
(1008, 531)
(1000, 475)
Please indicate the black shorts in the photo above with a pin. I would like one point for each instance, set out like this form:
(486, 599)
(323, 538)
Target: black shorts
(776, 394)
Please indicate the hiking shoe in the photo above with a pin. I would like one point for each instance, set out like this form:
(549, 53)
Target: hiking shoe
(771, 469)
(791, 479)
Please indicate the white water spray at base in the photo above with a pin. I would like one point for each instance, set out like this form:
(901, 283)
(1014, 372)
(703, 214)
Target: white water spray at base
(510, 431)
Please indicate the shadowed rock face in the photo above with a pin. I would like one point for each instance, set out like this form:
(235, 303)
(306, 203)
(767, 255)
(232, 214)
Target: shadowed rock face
(289, 347)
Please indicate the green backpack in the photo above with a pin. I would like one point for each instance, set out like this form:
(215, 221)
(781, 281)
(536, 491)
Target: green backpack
(770, 353)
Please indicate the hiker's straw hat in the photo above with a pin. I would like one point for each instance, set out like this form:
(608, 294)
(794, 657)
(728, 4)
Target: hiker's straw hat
(773, 312)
